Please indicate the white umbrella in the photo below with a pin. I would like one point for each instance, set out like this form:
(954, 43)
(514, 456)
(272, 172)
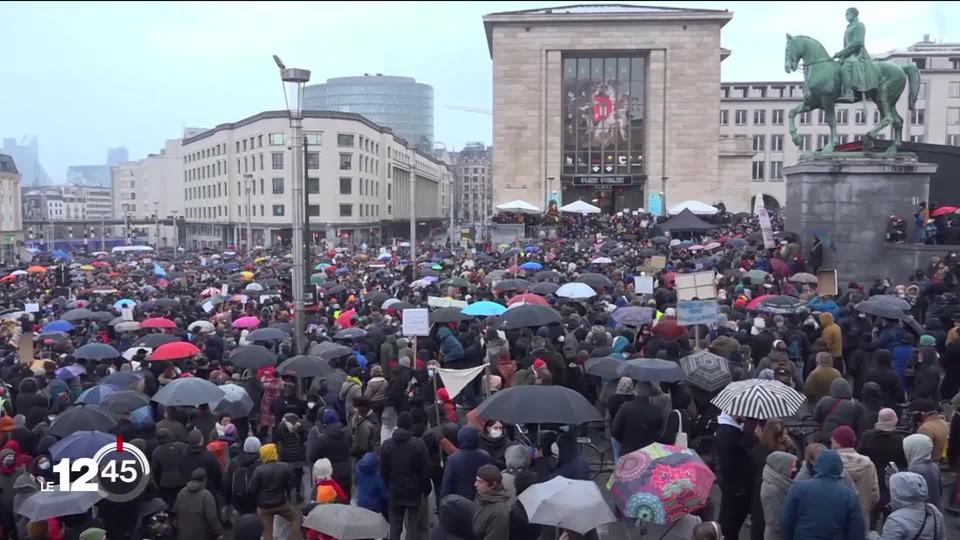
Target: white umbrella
(132, 351)
(201, 326)
(602, 260)
(576, 505)
(576, 290)
(519, 206)
(346, 522)
(697, 207)
(580, 207)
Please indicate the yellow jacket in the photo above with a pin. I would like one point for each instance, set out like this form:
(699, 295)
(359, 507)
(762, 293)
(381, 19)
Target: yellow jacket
(830, 333)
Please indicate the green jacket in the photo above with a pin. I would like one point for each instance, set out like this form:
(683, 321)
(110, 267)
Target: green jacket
(492, 521)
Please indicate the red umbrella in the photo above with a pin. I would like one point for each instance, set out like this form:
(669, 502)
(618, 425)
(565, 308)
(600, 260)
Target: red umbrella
(670, 277)
(780, 268)
(755, 303)
(345, 320)
(528, 299)
(177, 350)
(943, 210)
(8, 278)
(158, 322)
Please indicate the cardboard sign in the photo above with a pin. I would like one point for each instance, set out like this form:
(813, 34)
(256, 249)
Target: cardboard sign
(438, 302)
(700, 285)
(416, 322)
(827, 283)
(658, 262)
(126, 313)
(208, 306)
(31, 308)
(691, 312)
(643, 284)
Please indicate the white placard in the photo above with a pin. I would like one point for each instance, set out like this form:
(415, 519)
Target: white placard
(643, 284)
(31, 308)
(690, 312)
(208, 306)
(126, 313)
(416, 322)
(244, 299)
(699, 285)
(224, 289)
(438, 302)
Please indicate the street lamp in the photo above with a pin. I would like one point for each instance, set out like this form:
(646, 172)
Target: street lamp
(247, 179)
(293, 82)
(413, 211)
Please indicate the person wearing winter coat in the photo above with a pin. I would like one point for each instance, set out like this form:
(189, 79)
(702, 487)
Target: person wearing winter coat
(333, 441)
(918, 448)
(455, 519)
(405, 469)
(882, 373)
(196, 510)
(165, 466)
(461, 469)
(450, 347)
(832, 336)
(639, 422)
(883, 445)
(822, 507)
(872, 399)
(777, 478)
(326, 490)
(272, 390)
(859, 468)
(371, 491)
(237, 492)
(197, 456)
(569, 463)
(838, 409)
(818, 382)
(494, 442)
(913, 518)
(350, 390)
(273, 482)
(29, 398)
(289, 437)
(376, 390)
(492, 520)
(366, 429)
(517, 461)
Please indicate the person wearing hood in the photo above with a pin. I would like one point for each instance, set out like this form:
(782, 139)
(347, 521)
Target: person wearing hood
(883, 444)
(860, 469)
(239, 472)
(913, 518)
(492, 520)
(172, 424)
(400, 378)
(494, 345)
(569, 463)
(623, 394)
(838, 409)
(822, 507)
(918, 448)
(451, 348)
(165, 465)
(405, 469)
(461, 469)
(871, 397)
(818, 382)
(24, 486)
(517, 460)
(196, 510)
(29, 399)
(365, 425)
(326, 489)
(247, 527)
(638, 422)
(332, 440)
(455, 519)
(832, 336)
(197, 456)
(882, 373)
(760, 340)
(494, 441)
(777, 477)
(376, 390)
(350, 390)
(926, 379)
(371, 491)
(273, 481)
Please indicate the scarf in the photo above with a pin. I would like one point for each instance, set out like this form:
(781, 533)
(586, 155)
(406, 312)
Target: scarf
(776, 471)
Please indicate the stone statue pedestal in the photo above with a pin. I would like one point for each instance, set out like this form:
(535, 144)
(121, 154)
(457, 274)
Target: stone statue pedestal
(850, 198)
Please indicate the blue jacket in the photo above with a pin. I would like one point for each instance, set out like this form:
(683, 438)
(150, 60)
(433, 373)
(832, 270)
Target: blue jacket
(451, 347)
(461, 469)
(827, 305)
(822, 508)
(902, 354)
(371, 491)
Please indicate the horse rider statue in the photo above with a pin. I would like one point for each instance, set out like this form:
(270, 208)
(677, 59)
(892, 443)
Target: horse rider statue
(857, 71)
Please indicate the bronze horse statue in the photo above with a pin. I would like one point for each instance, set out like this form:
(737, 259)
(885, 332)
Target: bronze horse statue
(822, 86)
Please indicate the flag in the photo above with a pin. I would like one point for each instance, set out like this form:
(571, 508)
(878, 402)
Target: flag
(158, 271)
(455, 380)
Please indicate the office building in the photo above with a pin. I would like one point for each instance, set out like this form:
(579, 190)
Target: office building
(472, 169)
(26, 154)
(152, 189)
(116, 156)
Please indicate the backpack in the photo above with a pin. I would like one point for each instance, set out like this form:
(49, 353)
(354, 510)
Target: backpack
(794, 349)
(240, 486)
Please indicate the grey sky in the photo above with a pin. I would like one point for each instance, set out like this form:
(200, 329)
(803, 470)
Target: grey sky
(88, 76)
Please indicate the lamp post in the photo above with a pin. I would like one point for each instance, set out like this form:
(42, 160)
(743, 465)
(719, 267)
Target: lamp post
(247, 178)
(293, 81)
(413, 212)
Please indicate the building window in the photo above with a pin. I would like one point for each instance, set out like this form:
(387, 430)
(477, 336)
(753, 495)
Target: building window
(953, 139)
(740, 118)
(953, 115)
(389, 191)
(822, 140)
(876, 117)
(777, 117)
(821, 117)
(313, 186)
(346, 185)
(758, 170)
(261, 161)
(313, 210)
(346, 161)
(917, 117)
(724, 117)
(776, 170)
(776, 143)
(314, 139)
(262, 192)
(362, 208)
(805, 143)
(759, 117)
(278, 186)
(278, 210)
(843, 116)
(842, 139)
(277, 158)
(346, 210)
(805, 118)
(953, 89)
(313, 160)
(259, 141)
(344, 140)
(916, 138)
(276, 139)
(758, 141)
(921, 63)
(859, 118)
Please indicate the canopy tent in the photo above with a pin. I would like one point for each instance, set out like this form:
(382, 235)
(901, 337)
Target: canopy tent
(697, 207)
(580, 207)
(686, 221)
(519, 206)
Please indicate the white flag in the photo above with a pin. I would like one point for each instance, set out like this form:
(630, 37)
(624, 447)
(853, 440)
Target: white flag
(455, 380)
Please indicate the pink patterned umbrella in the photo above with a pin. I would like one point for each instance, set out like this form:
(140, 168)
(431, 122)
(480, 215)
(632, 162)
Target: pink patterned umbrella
(246, 322)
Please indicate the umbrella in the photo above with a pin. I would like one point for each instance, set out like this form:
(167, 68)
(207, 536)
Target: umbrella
(484, 309)
(880, 308)
(527, 298)
(601, 260)
(82, 418)
(576, 505)
(755, 303)
(448, 315)
(95, 394)
(127, 326)
(306, 366)
(780, 268)
(759, 398)
(253, 287)
(650, 369)
(545, 288)
(132, 351)
(712, 246)
(455, 282)
(284, 327)
(201, 326)
(157, 322)
(757, 276)
(253, 357)
(36, 270)
(346, 318)
(512, 285)
(890, 300)
(529, 315)
(538, 405)
(605, 367)
(191, 391)
(346, 522)
(96, 351)
(546, 275)
(706, 370)
(102, 316)
(597, 281)
(660, 483)
(81, 444)
(633, 315)
(236, 402)
(493, 276)
(120, 379)
(173, 351)
(781, 305)
(154, 341)
(531, 266)
(57, 326)
(77, 315)
(246, 322)
(165, 302)
(804, 277)
(735, 243)
(377, 298)
(44, 505)
(576, 290)
(350, 333)
(940, 211)
(124, 401)
(267, 334)
(124, 302)
(329, 350)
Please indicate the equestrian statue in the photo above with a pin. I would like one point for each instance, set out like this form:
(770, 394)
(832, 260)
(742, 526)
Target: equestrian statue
(847, 77)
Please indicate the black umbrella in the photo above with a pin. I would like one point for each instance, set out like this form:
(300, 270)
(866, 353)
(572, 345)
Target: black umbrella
(253, 357)
(96, 351)
(647, 252)
(336, 289)
(330, 284)
(597, 281)
(633, 315)
(78, 314)
(102, 316)
(350, 333)
(305, 366)
(529, 315)
(282, 326)
(512, 285)
(82, 418)
(538, 405)
(122, 379)
(448, 315)
(782, 305)
(166, 302)
(545, 288)
(377, 298)
(401, 305)
(546, 275)
(604, 367)
(236, 402)
(267, 334)
(651, 369)
(660, 240)
(880, 309)
(329, 350)
(155, 340)
(192, 391)
(124, 401)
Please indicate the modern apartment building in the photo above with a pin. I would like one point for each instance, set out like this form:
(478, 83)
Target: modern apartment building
(472, 169)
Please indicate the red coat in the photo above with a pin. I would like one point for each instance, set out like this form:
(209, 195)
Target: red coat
(669, 330)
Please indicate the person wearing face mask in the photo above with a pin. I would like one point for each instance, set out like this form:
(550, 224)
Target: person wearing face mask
(494, 442)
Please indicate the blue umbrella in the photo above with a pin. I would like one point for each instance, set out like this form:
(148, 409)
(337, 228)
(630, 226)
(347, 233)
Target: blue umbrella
(532, 266)
(484, 309)
(62, 255)
(532, 249)
(124, 302)
(80, 444)
(57, 326)
(93, 396)
(341, 271)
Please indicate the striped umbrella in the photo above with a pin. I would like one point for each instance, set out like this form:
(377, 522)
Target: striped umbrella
(706, 370)
(760, 399)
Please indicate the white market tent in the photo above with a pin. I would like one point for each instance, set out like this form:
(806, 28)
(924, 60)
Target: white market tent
(127, 249)
(519, 206)
(697, 207)
(580, 207)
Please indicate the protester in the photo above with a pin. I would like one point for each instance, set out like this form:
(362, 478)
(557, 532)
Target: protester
(912, 517)
(777, 478)
(492, 521)
(821, 507)
(859, 468)
(196, 509)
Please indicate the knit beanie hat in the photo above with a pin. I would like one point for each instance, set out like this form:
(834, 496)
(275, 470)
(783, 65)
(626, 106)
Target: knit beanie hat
(251, 445)
(844, 436)
(329, 416)
(927, 340)
(886, 420)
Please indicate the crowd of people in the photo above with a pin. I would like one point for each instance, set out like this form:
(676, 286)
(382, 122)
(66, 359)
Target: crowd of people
(867, 456)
